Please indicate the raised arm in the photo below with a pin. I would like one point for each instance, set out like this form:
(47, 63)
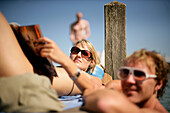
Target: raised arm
(52, 51)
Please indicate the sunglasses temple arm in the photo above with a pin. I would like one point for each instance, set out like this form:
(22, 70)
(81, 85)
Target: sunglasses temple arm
(153, 76)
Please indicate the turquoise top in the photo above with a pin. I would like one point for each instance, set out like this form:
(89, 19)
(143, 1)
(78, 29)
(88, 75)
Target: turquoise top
(98, 72)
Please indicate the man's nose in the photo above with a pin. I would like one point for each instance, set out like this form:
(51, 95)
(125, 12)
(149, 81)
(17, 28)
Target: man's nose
(131, 79)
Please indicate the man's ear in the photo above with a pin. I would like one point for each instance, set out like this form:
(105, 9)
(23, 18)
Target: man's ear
(158, 85)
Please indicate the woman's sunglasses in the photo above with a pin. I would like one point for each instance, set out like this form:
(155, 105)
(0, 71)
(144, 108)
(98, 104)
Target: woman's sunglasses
(84, 53)
(138, 74)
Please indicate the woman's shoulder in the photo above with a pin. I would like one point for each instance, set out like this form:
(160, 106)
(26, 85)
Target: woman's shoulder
(61, 72)
(60, 69)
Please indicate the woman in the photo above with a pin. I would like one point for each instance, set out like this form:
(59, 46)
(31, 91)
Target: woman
(21, 89)
(84, 56)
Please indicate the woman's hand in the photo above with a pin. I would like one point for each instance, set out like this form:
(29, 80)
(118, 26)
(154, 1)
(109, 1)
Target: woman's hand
(49, 49)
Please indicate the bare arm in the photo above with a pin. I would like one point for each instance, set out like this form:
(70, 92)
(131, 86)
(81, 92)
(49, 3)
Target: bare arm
(112, 101)
(70, 87)
(52, 51)
(63, 84)
(114, 84)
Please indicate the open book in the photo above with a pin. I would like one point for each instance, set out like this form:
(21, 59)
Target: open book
(30, 34)
(27, 36)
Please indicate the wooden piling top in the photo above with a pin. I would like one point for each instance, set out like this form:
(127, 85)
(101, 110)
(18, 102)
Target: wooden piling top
(115, 3)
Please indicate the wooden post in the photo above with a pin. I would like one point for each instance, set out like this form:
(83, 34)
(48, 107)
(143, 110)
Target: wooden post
(115, 36)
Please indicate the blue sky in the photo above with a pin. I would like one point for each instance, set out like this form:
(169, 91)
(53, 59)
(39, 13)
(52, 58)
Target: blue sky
(147, 24)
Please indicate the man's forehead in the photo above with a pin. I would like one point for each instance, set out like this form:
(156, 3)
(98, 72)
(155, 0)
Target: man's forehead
(149, 63)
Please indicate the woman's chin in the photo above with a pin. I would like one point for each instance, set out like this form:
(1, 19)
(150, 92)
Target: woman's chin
(78, 65)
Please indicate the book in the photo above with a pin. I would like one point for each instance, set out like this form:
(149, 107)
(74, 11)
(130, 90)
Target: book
(27, 36)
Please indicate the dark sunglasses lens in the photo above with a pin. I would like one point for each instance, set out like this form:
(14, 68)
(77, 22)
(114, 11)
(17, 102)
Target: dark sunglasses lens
(123, 73)
(86, 53)
(139, 75)
(75, 50)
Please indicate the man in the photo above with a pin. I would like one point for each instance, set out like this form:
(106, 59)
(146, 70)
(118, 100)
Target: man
(144, 77)
(79, 29)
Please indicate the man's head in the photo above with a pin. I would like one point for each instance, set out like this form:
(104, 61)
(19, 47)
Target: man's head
(141, 63)
(79, 16)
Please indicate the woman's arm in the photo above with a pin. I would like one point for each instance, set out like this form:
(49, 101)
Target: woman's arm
(70, 87)
(63, 84)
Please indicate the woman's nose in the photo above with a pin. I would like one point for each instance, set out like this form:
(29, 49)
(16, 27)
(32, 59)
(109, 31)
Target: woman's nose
(79, 54)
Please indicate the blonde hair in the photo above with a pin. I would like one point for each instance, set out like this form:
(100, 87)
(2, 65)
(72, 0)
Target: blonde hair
(91, 48)
(155, 61)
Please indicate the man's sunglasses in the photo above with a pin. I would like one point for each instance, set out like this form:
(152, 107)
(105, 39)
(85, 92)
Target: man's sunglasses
(84, 53)
(138, 74)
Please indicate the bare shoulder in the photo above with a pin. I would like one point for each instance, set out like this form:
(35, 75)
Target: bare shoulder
(59, 68)
(96, 80)
(158, 108)
(85, 21)
(60, 71)
(73, 24)
(114, 84)
(146, 110)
